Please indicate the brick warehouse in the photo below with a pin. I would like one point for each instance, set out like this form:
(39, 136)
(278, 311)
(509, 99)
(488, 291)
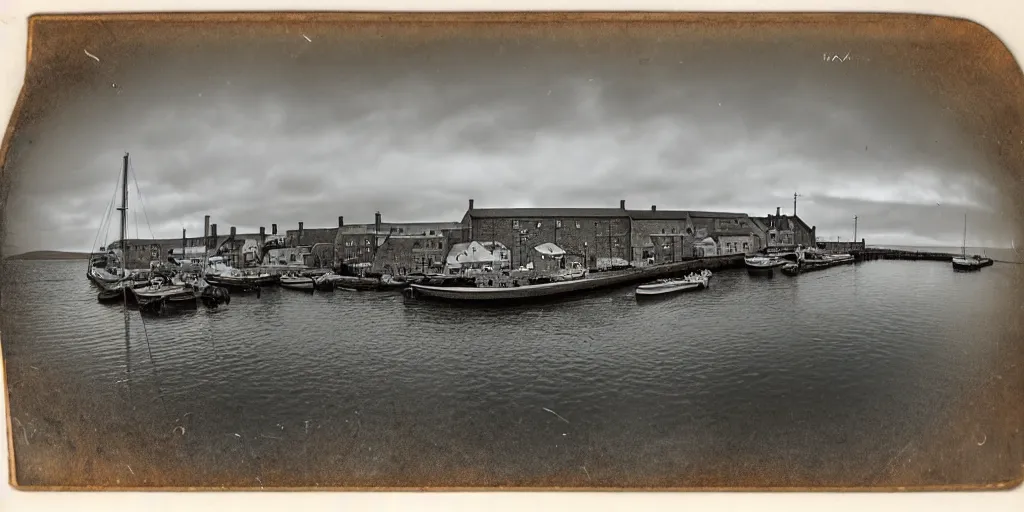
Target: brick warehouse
(636, 236)
(786, 231)
(587, 234)
(393, 247)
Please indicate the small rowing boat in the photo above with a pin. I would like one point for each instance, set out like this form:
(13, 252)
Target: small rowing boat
(668, 286)
(763, 264)
(293, 281)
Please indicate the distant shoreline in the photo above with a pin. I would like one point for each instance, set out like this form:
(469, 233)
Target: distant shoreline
(49, 255)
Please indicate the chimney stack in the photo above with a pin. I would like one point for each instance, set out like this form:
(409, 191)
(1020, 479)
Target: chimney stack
(263, 231)
(376, 222)
(654, 207)
(622, 204)
(233, 231)
(341, 221)
(298, 237)
(206, 226)
(213, 233)
(273, 229)
(471, 204)
(778, 211)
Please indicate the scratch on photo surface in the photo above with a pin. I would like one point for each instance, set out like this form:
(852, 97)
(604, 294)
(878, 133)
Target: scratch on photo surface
(556, 414)
(97, 59)
(307, 38)
(24, 433)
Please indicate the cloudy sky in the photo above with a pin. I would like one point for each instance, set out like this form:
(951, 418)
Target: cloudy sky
(288, 129)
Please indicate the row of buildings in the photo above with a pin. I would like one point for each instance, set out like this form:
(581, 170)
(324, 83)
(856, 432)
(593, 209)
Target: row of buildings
(595, 237)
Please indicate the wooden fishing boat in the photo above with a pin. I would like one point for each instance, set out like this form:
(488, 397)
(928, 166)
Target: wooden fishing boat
(763, 264)
(966, 264)
(161, 293)
(691, 282)
(298, 282)
(791, 269)
(219, 273)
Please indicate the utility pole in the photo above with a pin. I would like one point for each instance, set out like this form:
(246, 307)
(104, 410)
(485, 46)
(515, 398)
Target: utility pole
(795, 195)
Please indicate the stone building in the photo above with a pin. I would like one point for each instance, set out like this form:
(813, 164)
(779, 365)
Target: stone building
(659, 236)
(239, 249)
(588, 234)
(785, 232)
(664, 236)
(392, 247)
(304, 236)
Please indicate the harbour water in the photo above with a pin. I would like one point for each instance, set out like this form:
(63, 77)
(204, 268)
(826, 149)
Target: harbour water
(879, 373)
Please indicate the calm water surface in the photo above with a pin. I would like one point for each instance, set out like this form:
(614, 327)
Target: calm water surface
(820, 379)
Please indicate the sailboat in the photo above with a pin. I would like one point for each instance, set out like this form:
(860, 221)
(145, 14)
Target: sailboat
(963, 263)
(107, 268)
(148, 292)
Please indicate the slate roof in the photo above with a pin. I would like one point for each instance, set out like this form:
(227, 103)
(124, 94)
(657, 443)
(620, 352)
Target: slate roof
(526, 213)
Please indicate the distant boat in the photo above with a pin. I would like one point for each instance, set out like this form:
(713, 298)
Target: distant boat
(691, 282)
(964, 263)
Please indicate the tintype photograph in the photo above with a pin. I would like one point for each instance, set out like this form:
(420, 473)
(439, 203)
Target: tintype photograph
(518, 251)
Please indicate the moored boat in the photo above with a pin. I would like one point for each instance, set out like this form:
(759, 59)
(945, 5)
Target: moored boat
(674, 285)
(763, 264)
(292, 281)
(965, 263)
(791, 269)
(219, 273)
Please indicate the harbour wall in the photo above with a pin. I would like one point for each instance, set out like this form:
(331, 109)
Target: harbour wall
(868, 254)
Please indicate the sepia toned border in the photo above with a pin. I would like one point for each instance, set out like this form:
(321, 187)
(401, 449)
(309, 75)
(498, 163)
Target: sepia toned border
(492, 17)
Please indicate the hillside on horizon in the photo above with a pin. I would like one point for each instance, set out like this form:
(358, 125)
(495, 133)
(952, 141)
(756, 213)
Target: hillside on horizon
(49, 255)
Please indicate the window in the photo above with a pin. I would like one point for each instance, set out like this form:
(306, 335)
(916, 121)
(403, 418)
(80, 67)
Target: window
(515, 224)
(746, 246)
(538, 224)
(431, 231)
(577, 224)
(673, 231)
(291, 258)
(663, 231)
(558, 223)
(367, 241)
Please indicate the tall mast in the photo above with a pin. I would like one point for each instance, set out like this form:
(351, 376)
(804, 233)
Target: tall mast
(124, 214)
(963, 247)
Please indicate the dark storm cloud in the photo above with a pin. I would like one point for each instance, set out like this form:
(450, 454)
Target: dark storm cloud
(306, 131)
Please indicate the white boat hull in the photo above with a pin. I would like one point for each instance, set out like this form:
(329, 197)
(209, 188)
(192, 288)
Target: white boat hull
(668, 288)
(303, 284)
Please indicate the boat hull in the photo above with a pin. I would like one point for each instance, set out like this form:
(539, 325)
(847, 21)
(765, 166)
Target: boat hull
(668, 289)
(307, 284)
(518, 293)
(241, 283)
(966, 266)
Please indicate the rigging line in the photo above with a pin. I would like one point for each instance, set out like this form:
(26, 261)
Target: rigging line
(138, 190)
(156, 371)
(106, 218)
